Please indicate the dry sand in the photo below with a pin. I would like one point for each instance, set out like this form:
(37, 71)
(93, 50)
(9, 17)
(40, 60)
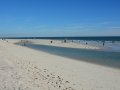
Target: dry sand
(22, 68)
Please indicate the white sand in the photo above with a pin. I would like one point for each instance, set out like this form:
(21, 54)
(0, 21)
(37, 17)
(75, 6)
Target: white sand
(22, 68)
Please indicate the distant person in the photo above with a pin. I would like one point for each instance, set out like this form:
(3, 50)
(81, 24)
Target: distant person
(50, 41)
(64, 41)
(103, 44)
(86, 43)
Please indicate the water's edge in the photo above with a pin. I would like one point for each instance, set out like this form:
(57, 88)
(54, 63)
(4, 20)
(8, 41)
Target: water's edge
(105, 58)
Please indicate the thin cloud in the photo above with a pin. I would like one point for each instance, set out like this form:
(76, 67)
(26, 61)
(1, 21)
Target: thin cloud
(106, 23)
(115, 27)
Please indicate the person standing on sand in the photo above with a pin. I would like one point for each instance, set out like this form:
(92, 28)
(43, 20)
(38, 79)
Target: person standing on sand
(50, 41)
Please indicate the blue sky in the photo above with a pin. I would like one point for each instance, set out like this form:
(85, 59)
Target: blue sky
(59, 18)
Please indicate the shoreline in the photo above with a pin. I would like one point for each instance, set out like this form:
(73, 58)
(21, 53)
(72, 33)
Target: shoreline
(33, 67)
(78, 44)
(58, 43)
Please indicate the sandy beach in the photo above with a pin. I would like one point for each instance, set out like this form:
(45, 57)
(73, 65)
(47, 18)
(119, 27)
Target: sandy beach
(22, 68)
(59, 43)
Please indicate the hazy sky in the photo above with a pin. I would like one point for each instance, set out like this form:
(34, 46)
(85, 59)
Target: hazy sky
(59, 17)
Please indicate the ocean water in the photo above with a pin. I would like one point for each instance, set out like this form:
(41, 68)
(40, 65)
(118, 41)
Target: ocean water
(94, 38)
(105, 58)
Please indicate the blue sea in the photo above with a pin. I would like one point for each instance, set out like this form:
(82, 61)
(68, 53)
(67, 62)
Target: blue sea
(104, 57)
(95, 38)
